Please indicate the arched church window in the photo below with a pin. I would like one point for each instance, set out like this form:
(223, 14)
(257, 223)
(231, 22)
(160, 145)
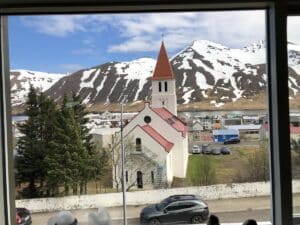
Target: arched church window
(138, 144)
(159, 86)
(166, 86)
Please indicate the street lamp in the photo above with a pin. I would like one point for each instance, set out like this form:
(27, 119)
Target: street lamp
(123, 165)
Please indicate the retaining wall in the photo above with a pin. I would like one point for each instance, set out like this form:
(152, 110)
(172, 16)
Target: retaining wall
(222, 191)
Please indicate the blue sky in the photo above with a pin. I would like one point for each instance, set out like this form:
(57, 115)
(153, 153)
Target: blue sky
(66, 43)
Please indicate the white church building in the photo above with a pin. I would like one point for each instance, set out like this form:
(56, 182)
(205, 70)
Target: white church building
(159, 149)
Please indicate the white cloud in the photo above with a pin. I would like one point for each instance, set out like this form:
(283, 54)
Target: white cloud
(142, 32)
(59, 25)
(293, 29)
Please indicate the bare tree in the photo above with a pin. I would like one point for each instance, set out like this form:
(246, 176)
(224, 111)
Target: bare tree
(258, 163)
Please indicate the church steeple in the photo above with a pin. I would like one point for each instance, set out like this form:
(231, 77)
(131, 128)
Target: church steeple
(163, 83)
(163, 69)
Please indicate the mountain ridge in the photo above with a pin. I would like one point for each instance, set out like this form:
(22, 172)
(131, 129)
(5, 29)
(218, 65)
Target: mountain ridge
(204, 71)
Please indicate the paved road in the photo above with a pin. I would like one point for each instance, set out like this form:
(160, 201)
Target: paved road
(229, 210)
(225, 217)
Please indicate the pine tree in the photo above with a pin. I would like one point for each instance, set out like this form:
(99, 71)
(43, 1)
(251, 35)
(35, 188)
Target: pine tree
(47, 121)
(33, 146)
(91, 160)
(28, 147)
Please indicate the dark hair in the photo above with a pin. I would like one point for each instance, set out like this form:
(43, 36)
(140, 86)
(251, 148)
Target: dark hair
(213, 220)
(250, 222)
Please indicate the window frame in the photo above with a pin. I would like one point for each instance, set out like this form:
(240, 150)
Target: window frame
(276, 10)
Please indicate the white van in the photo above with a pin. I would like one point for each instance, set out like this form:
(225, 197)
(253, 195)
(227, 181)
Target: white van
(196, 149)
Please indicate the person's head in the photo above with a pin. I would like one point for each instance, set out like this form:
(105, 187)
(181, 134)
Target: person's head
(250, 222)
(102, 217)
(213, 220)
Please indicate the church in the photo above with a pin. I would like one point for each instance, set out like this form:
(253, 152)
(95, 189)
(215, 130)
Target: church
(159, 139)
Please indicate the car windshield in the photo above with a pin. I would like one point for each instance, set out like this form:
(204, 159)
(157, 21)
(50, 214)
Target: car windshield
(160, 206)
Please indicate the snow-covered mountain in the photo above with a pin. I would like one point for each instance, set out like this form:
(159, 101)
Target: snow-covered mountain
(204, 71)
(108, 82)
(21, 80)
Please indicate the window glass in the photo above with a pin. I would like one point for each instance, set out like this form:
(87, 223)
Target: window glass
(294, 87)
(190, 89)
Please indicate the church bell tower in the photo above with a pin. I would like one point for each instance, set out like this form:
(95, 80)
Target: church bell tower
(163, 83)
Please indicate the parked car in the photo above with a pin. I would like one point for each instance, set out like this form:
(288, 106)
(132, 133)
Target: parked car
(176, 209)
(233, 140)
(216, 151)
(196, 149)
(206, 149)
(23, 216)
(225, 151)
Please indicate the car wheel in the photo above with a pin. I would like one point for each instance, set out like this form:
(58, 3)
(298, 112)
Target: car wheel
(154, 221)
(196, 219)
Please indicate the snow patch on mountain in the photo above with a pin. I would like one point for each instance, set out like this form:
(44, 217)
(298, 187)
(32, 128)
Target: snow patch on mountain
(22, 79)
(203, 70)
(87, 75)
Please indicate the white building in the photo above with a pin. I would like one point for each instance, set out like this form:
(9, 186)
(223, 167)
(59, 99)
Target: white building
(104, 137)
(159, 138)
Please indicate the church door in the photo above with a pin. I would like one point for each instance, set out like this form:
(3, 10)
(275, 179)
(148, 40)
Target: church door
(139, 179)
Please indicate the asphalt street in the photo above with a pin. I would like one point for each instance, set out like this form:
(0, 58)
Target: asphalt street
(228, 210)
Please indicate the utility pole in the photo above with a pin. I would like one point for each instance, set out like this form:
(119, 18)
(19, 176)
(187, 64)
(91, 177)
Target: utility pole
(123, 165)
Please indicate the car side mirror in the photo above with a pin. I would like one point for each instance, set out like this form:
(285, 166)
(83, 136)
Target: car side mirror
(165, 211)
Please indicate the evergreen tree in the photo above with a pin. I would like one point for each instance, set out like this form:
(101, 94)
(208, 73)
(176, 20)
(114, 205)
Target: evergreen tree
(56, 149)
(47, 120)
(91, 161)
(28, 147)
(33, 146)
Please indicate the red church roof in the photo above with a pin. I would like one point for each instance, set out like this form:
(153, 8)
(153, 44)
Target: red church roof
(163, 69)
(171, 119)
(158, 137)
(293, 129)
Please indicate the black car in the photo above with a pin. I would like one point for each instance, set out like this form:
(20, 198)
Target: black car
(23, 216)
(233, 140)
(225, 151)
(176, 209)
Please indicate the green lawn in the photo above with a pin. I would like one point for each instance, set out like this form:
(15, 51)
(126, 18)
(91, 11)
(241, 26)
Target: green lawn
(228, 168)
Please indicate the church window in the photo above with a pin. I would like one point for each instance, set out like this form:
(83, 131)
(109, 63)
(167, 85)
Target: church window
(126, 176)
(138, 144)
(152, 177)
(139, 179)
(166, 86)
(159, 86)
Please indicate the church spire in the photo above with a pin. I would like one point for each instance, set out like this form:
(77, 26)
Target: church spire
(163, 69)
